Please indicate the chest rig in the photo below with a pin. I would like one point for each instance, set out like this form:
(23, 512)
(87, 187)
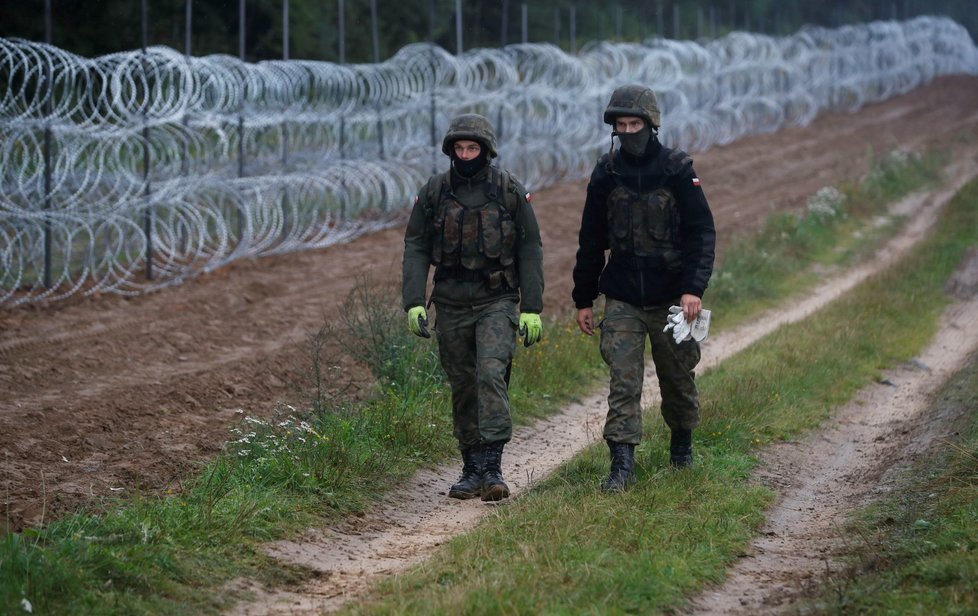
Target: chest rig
(476, 243)
(643, 216)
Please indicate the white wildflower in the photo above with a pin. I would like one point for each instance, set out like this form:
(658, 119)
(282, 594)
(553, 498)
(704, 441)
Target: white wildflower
(827, 202)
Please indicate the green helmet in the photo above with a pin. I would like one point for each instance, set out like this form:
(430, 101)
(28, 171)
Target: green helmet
(470, 126)
(635, 101)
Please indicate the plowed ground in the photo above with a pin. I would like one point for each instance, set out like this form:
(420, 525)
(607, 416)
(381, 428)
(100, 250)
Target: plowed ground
(107, 395)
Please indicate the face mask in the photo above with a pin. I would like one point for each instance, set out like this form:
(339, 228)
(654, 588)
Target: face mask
(635, 143)
(468, 168)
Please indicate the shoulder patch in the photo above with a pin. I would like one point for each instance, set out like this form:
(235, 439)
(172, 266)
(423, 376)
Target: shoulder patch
(696, 181)
(528, 197)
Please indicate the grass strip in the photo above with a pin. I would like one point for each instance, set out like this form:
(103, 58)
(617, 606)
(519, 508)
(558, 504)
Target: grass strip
(174, 554)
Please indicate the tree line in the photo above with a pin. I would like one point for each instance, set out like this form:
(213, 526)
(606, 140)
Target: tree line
(373, 30)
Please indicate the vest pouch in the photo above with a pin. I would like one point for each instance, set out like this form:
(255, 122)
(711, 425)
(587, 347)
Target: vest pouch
(470, 254)
(512, 279)
(620, 220)
(660, 217)
(498, 231)
(449, 236)
(643, 228)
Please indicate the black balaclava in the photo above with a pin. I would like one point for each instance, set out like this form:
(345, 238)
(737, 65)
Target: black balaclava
(468, 168)
(635, 143)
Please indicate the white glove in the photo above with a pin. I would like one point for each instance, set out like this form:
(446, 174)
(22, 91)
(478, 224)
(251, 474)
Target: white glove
(677, 323)
(701, 326)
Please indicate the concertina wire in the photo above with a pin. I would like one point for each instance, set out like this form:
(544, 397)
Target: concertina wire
(254, 159)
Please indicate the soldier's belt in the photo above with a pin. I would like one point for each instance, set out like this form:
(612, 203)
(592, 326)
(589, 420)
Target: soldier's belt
(460, 273)
(494, 278)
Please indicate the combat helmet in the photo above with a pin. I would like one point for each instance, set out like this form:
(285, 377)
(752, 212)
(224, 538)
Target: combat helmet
(470, 126)
(633, 100)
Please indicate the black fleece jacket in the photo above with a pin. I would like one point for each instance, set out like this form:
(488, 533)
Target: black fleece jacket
(658, 167)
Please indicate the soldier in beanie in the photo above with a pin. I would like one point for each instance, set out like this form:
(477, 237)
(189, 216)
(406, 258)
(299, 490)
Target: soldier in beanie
(646, 209)
(474, 224)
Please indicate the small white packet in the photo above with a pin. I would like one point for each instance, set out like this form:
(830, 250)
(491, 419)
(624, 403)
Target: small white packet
(701, 326)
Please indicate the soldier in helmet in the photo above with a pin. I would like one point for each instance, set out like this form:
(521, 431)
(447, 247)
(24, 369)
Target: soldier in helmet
(646, 209)
(474, 224)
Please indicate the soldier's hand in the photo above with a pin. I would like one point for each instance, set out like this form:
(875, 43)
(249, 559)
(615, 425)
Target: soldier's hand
(691, 305)
(418, 321)
(585, 320)
(531, 328)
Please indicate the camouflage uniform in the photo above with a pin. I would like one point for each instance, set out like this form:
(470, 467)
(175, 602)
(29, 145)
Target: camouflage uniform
(623, 333)
(481, 235)
(646, 209)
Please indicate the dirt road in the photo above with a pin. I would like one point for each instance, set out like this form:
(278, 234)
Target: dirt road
(109, 395)
(821, 479)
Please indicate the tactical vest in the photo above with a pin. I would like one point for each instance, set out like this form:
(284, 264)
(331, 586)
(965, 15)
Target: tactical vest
(643, 226)
(476, 243)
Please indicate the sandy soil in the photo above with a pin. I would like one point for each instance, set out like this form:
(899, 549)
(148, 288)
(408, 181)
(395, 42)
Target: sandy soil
(825, 477)
(109, 396)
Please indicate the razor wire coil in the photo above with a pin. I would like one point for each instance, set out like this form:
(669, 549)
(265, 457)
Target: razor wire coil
(135, 171)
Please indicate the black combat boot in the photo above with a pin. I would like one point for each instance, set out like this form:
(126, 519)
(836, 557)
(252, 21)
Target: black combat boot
(681, 449)
(493, 486)
(622, 467)
(469, 485)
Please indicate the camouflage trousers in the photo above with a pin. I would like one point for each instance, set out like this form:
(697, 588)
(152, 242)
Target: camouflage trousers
(476, 347)
(624, 330)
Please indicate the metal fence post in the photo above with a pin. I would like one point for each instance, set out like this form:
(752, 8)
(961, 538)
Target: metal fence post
(504, 26)
(241, 136)
(525, 23)
(458, 28)
(148, 212)
(285, 126)
(341, 29)
(47, 148)
(573, 29)
(557, 26)
(185, 151)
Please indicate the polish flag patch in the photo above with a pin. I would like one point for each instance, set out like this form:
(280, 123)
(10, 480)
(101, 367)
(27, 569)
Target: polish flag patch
(696, 181)
(528, 197)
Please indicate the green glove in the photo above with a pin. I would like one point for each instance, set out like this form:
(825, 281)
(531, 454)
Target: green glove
(418, 321)
(530, 328)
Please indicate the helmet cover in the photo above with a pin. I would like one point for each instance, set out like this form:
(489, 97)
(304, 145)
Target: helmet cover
(635, 101)
(473, 127)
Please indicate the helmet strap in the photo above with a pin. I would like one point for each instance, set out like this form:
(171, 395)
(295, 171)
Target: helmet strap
(635, 144)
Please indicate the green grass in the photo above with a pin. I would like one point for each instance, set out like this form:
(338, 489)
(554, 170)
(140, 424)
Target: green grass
(174, 553)
(567, 548)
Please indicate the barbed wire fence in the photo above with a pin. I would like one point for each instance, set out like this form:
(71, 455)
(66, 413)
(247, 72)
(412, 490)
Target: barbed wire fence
(135, 171)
